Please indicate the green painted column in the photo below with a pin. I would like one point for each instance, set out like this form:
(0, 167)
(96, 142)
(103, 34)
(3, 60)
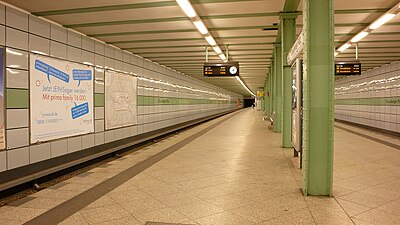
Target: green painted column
(267, 99)
(288, 37)
(262, 103)
(273, 85)
(278, 88)
(265, 96)
(270, 91)
(318, 97)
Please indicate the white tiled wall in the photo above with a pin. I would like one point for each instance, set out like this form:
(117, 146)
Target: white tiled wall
(21, 33)
(377, 96)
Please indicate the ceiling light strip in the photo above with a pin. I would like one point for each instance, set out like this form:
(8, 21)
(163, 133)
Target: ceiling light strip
(244, 85)
(188, 9)
(390, 14)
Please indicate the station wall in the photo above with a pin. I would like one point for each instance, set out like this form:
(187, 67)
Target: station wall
(372, 99)
(164, 97)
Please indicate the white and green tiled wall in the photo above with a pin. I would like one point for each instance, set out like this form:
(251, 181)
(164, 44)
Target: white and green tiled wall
(372, 99)
(165, 97)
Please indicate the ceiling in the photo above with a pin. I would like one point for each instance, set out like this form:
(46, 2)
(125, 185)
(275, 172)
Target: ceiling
(160, 31)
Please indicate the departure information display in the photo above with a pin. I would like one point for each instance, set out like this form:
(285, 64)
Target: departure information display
(347, 69)
(221, 69)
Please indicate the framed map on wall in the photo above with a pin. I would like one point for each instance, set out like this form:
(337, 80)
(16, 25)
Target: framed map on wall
(120, 99)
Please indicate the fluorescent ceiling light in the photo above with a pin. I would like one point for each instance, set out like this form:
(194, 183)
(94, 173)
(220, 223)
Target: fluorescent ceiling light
(382, 21)
(336, 53)
(359, 36)
(245, 87)
(201, 27)
(223, 57)
(187, 8)
(39, 52)
(210, 40)
(344, 47)
(13, 52)
(12, 71)
(217, 50)
(88, 63)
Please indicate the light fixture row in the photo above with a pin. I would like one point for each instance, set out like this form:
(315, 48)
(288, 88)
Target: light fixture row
(373, 26)
(244, 85)
(188, 9)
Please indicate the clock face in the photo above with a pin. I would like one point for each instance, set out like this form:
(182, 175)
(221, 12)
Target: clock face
(233, 70)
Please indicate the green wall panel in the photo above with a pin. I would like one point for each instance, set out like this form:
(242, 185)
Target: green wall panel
(383, 101)
(156, 100)
(17, 99)
(99, 100)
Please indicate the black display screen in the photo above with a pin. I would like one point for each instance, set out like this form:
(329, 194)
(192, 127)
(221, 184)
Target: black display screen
(347, 69)
(221, 70)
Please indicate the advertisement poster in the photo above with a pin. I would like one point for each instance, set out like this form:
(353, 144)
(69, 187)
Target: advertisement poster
(61, 98)
(121, 100)
(2, 129)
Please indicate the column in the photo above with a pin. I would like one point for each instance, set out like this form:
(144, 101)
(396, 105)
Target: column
(273, 100)
(278, 88)
(270, 91)
(265, 96)
(318, 97)
(288, 37)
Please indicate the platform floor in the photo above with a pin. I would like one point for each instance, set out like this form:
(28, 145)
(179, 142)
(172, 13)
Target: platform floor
(230, 170)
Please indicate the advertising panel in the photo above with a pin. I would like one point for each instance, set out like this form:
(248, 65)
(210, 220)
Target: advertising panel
(2, 128)
(61, 98)
(121, 99)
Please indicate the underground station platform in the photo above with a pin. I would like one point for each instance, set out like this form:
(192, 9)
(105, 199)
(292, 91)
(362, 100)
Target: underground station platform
(200, 112)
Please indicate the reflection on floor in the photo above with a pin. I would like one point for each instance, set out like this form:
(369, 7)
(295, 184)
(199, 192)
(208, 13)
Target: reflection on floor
(236, 173)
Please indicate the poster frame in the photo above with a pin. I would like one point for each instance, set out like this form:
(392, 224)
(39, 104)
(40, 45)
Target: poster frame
(105, 100)
(4, 106)
(92, 67)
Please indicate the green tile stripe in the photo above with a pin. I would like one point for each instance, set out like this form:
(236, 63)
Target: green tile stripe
(17, 99)
(99, 100)
(380, 101)
(155, 100)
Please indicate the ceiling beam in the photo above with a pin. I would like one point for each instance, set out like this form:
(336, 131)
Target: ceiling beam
(203, 56)
(193, 46)
(171, 19)
(222, 29)
(203, 51)
(189, 39)
(126, 7)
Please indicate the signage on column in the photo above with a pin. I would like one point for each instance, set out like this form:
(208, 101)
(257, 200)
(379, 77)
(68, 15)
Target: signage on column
(221, 69)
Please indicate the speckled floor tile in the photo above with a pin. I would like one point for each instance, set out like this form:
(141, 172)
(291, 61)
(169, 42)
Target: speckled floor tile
(75, 219)
(376, 216)
(167, 215)
(223, 218)
(104, 214)
(198, 209)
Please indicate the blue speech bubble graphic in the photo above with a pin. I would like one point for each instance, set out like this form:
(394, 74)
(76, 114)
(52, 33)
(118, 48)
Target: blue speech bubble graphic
(51, 71)
(79, 110)
(81, 75)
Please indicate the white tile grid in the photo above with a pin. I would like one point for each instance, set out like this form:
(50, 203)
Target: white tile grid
(29, 33)
(384, 117)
